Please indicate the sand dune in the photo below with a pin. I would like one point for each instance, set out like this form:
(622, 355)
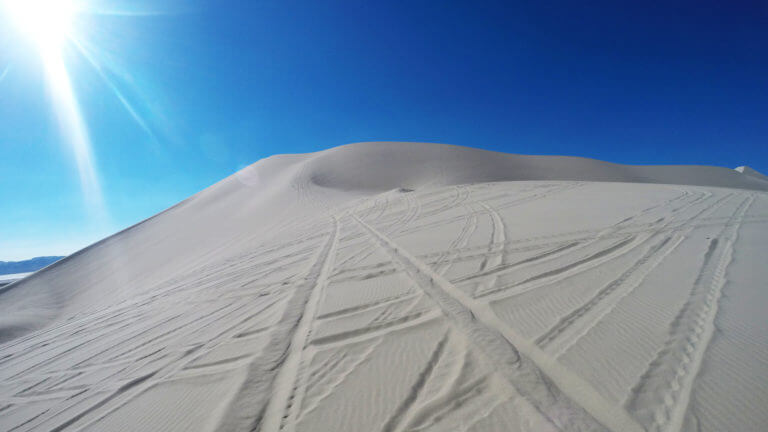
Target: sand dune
(752, 173)
(408, 287)
(7, 279)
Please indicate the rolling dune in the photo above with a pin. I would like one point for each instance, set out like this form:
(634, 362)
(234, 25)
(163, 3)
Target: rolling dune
(408, 287)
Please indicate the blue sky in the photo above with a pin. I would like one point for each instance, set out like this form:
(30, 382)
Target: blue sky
(178, 95)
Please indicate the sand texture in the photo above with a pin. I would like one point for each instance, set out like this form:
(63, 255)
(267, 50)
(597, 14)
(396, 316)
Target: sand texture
(408, 287)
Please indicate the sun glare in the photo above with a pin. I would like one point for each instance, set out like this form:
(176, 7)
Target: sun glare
(47, 22)
(49, 29)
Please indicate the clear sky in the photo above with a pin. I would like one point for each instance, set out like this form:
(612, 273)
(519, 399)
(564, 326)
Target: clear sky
(148, 102)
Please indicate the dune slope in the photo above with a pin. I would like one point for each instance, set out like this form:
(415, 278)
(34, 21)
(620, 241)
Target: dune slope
(404, 286)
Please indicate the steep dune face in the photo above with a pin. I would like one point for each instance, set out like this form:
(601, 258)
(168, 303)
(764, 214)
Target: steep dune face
(408, 287)
(131, 262)
(269, 195)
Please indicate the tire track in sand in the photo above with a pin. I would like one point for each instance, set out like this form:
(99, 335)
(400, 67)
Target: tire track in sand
(660, 398)
(547, 385)
(633, 240)
(574, 325)
(494, 257)
(275, 372)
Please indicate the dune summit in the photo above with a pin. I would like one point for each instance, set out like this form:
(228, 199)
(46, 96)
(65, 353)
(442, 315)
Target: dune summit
(408, 287)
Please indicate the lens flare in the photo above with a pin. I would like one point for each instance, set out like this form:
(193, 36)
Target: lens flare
(49, 24)
(73, 128)
(4, 73)
(119, 94)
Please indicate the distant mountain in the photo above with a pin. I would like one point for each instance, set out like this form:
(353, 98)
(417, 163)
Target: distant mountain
(26, 266)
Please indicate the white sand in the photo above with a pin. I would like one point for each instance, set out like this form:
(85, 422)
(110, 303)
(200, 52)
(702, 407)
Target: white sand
(408, 287)
(7, 279)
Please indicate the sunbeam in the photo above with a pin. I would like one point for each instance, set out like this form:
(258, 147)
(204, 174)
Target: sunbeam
(50, 25)
(4, 73)
(119, 94)
(73, 128)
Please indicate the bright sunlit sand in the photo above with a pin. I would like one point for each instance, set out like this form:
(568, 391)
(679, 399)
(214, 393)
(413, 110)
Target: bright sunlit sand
(408, 287)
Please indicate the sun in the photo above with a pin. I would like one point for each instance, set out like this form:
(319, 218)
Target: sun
(47, 22)
(53, 31)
